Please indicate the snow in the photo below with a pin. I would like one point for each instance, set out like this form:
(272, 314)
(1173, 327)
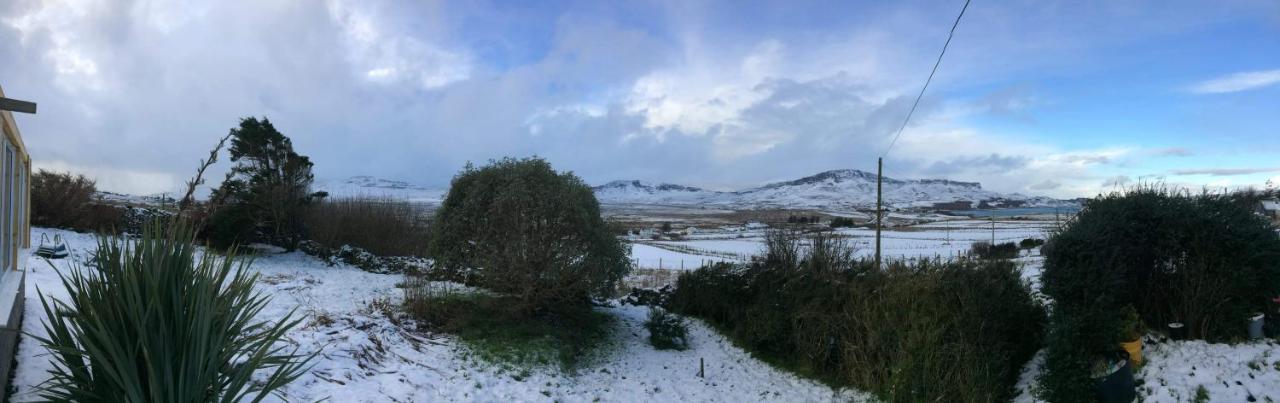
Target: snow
(1174, 370)
(368, 186)
(368, 355)
(652, 257)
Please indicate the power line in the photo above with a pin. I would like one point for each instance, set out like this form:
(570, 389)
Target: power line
(926, 82)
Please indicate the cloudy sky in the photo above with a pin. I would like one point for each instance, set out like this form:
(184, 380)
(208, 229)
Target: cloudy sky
(1060, 98)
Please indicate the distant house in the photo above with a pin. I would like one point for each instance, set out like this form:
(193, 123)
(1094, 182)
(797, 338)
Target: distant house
(644, 233)
(955, 205)
(15, 234)
(1269, 208)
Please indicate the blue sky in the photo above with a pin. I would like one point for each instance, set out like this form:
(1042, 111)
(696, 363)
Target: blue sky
(1060, 98)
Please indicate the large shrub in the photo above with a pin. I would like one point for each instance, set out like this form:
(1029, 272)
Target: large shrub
(919, 331)
(381, 225)
(60, 200)
(1204, 260)
(529, 232)
(152, 322)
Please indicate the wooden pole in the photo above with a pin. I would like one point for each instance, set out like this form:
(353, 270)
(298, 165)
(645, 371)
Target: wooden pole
(879, 205)
(993, 229)
(15, 105)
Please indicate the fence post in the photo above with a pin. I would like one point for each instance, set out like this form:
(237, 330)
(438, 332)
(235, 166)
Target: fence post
(659, 263)
(702, 368)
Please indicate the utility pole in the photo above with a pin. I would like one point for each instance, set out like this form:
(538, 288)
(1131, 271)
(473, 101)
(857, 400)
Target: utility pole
(879, 205)
(993, 228)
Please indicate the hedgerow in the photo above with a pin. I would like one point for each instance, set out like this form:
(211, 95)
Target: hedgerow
(914, 331)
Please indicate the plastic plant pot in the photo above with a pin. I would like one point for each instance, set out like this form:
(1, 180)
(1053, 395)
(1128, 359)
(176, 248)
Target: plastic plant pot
(1115, 383)
(1255, 326)
(1177, 331)
(1134, 349)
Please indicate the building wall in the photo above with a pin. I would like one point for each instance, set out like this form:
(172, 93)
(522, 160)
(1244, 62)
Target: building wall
(15, 237)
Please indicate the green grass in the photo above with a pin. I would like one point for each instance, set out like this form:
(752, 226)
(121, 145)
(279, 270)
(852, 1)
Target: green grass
(568, 338)
(1202, 395)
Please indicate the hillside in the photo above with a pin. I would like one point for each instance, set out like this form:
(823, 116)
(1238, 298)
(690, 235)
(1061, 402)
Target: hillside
(368, 186)
(847, 188)
(838, 189)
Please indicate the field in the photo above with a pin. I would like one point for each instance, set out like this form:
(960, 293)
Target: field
(934, 239)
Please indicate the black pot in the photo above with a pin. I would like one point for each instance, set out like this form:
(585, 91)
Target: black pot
(1177, 331)
(1117, 386)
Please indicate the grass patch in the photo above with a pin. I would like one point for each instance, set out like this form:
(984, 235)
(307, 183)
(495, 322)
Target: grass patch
(569, 338)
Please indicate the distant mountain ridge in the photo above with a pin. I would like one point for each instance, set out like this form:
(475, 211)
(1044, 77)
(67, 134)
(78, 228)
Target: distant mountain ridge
(835, 189)
(843, 189)
(369, 186)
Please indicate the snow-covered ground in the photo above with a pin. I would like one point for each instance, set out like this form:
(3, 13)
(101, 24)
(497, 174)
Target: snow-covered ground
(1175, 370)
(366, 356)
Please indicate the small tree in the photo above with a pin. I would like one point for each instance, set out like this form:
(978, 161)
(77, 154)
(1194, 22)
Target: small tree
(524, 229)
(266, 191)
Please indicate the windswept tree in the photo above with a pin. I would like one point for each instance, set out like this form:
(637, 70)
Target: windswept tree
(525, 230)
(266, 191)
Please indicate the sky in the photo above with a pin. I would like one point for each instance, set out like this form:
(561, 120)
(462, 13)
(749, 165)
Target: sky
(1045, 97)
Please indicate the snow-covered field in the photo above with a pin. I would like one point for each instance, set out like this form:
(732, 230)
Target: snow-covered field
(937, 239)
(366, 356)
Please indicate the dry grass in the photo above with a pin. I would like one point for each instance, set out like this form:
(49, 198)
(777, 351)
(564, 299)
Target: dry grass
(646, 279)
(383, 226)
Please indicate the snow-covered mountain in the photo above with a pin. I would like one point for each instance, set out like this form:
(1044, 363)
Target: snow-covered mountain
(838, 189)
(641, 192)
(368, 186)
(844, 189)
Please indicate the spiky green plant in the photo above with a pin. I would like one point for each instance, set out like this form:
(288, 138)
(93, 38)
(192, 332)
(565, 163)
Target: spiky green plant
(155, 320)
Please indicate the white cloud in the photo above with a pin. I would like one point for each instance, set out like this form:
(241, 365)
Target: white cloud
(138, 90)
(1225, 171)
(1237, 82)
(390, 56)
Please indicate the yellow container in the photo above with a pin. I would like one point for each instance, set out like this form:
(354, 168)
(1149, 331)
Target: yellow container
(1134, 348)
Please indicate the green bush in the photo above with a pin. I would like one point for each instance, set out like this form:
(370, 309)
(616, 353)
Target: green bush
(985, 250)
(529, 232)
(927, 330)
(60, 200)
(152, 322)
(666, 330)
(1030, 243)
(1204, 260)
(842, 222)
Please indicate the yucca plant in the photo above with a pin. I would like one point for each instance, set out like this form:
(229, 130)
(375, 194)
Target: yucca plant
(155, 320)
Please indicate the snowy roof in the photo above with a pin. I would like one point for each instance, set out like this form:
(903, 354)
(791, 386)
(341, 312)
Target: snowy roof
(1271, 205)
